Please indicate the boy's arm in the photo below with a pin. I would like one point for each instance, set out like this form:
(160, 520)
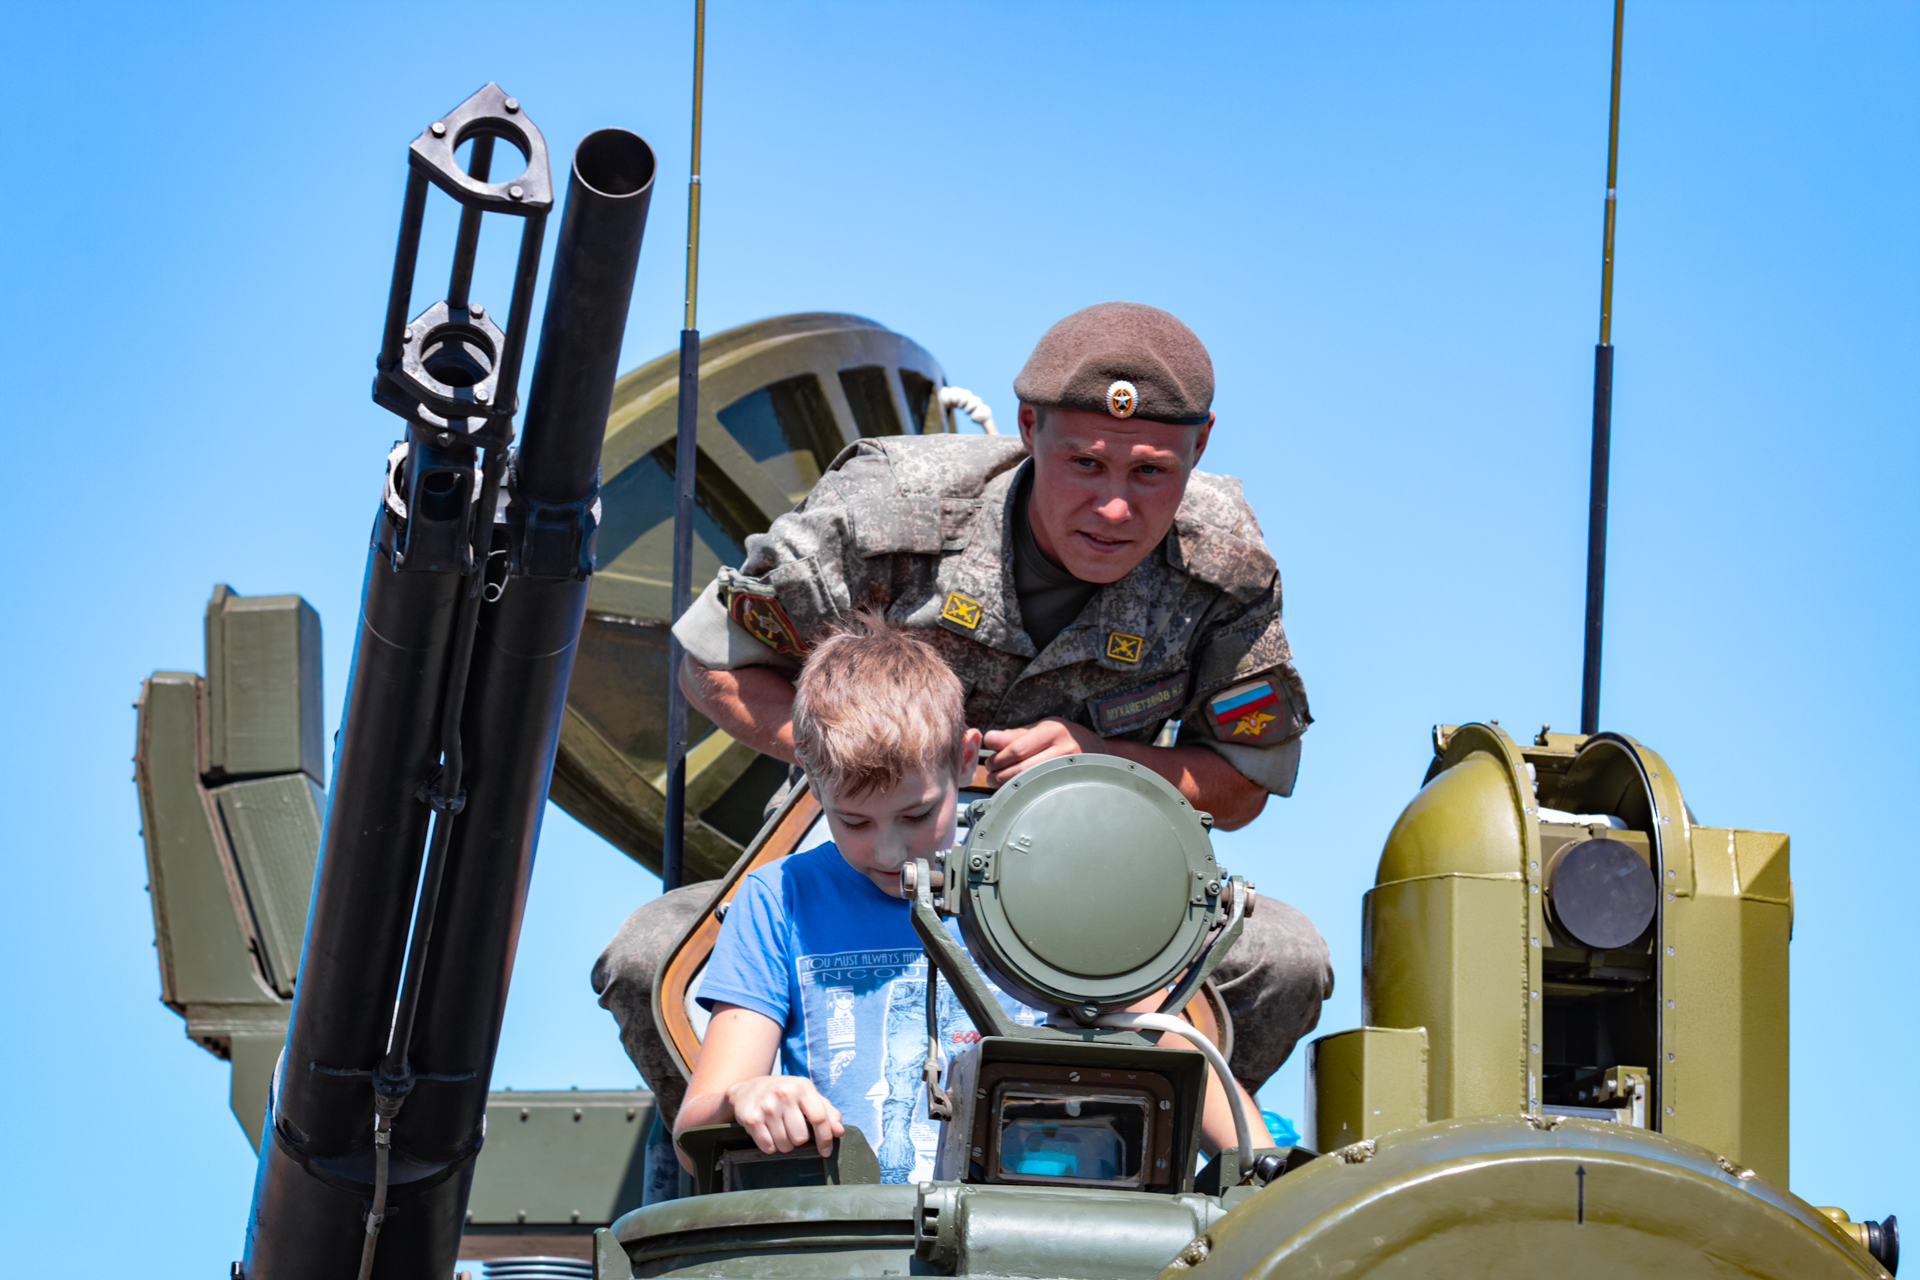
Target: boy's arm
(731, 1083)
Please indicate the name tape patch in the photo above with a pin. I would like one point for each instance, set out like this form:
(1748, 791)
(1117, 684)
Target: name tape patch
(1136, 707)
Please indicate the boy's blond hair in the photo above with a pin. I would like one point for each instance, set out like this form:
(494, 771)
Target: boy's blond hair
(873, 703)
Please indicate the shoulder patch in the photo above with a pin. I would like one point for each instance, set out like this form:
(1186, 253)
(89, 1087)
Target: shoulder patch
(759, 614)
(1247, 713)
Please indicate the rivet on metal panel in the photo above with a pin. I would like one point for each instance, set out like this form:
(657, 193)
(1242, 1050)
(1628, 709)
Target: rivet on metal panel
(1669, 950)
(1669, 874)
(1534, 994)
(631, 1111)
(476, 310)
(512, 105)
(439, 129)
(576, 1215)
(1160, 1163)
(1533, 866)
(1165, 1105)
(1534, 1047)
(577, 1113)
(520, 1216)
(1669, 1110)
(1536, 942)
(525, 1112)
(518, 192)
(1669, 1004)
(1669, 1057)
(1533, 888)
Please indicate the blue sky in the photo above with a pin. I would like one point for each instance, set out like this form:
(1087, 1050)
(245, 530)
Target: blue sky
(1383, 219)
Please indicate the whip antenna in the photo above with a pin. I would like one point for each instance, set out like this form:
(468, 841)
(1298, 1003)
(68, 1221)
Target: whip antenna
(1602, 418)
(673, 850)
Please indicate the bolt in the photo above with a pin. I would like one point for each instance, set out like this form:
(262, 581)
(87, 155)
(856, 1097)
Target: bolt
(1669, 1004)
(481, 396)
(1161, 1163)
(520, 1216)
(1074, 1076)
(516, 191)
(977, 862)
(1165, 1105)
(1669, 950)
(512, 105)
(630, 1112)
(1213, 888)
(577, 1113)
(525, 1112)
(1669, 1057)
(1669, 1110)
(439, 129)
(576, 1215)
(476, 310)
(977, 1153)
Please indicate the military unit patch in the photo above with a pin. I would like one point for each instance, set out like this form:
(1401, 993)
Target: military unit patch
(1246, 712)
(1122, 647)
(759, 614)
(962, 611)
(1136, 707)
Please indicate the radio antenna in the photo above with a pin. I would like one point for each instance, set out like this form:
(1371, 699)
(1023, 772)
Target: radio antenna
(673, 844)
(1602, 418)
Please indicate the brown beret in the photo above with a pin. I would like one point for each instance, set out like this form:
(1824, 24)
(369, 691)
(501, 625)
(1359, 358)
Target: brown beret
(1122, 358)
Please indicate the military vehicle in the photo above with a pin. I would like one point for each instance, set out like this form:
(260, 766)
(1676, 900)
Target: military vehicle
(1574, 1053)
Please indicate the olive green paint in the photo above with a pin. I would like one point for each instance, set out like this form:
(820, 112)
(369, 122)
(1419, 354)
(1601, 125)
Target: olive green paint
(1364, 1083)
(1501, 1198)
(564, 1159)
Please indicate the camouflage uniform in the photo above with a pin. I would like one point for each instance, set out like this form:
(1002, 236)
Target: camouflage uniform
(921, 529)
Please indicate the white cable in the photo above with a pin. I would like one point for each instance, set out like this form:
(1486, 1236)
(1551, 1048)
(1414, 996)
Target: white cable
(970, 404)
(1167, 1022)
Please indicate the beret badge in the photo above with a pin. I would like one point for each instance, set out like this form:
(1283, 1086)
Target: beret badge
(1122, 399)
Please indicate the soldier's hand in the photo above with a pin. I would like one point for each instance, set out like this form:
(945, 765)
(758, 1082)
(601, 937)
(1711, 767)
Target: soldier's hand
(784, 1113)
(1016, 750)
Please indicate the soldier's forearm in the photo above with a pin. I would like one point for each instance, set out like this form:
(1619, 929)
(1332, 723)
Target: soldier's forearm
(753, 705)
(1207, 781)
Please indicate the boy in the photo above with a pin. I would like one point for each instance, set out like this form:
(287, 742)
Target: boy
(817, 959)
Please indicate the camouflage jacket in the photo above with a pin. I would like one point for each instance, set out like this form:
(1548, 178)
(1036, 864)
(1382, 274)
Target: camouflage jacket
(920, 528)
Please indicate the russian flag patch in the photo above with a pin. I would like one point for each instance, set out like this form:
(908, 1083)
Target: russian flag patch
(1246, 712)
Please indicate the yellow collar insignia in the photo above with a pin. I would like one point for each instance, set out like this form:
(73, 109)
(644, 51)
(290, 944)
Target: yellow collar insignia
(1122, 647)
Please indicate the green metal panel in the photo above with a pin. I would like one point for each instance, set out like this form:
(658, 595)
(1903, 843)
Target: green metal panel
(205, 953)
(1725, 1074)
(1364, 1083)
(1448, 953)
(572, 1158)
(264, 691)
(273, 827)
(1508, 1198)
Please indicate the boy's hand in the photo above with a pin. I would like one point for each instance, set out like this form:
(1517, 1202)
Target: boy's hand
(782, 1113)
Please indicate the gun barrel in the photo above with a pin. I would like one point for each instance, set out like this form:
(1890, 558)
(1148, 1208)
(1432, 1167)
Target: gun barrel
(318, 1167)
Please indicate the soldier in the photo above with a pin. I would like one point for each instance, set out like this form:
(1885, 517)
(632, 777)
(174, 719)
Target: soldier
(1092, 590)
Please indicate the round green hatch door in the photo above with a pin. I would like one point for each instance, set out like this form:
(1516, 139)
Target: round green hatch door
(1089, 882)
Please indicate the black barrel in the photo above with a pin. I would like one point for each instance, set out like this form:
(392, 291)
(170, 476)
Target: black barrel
(315, 1179)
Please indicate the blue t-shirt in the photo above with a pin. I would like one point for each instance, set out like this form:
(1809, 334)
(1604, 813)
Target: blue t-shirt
(817, 947)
